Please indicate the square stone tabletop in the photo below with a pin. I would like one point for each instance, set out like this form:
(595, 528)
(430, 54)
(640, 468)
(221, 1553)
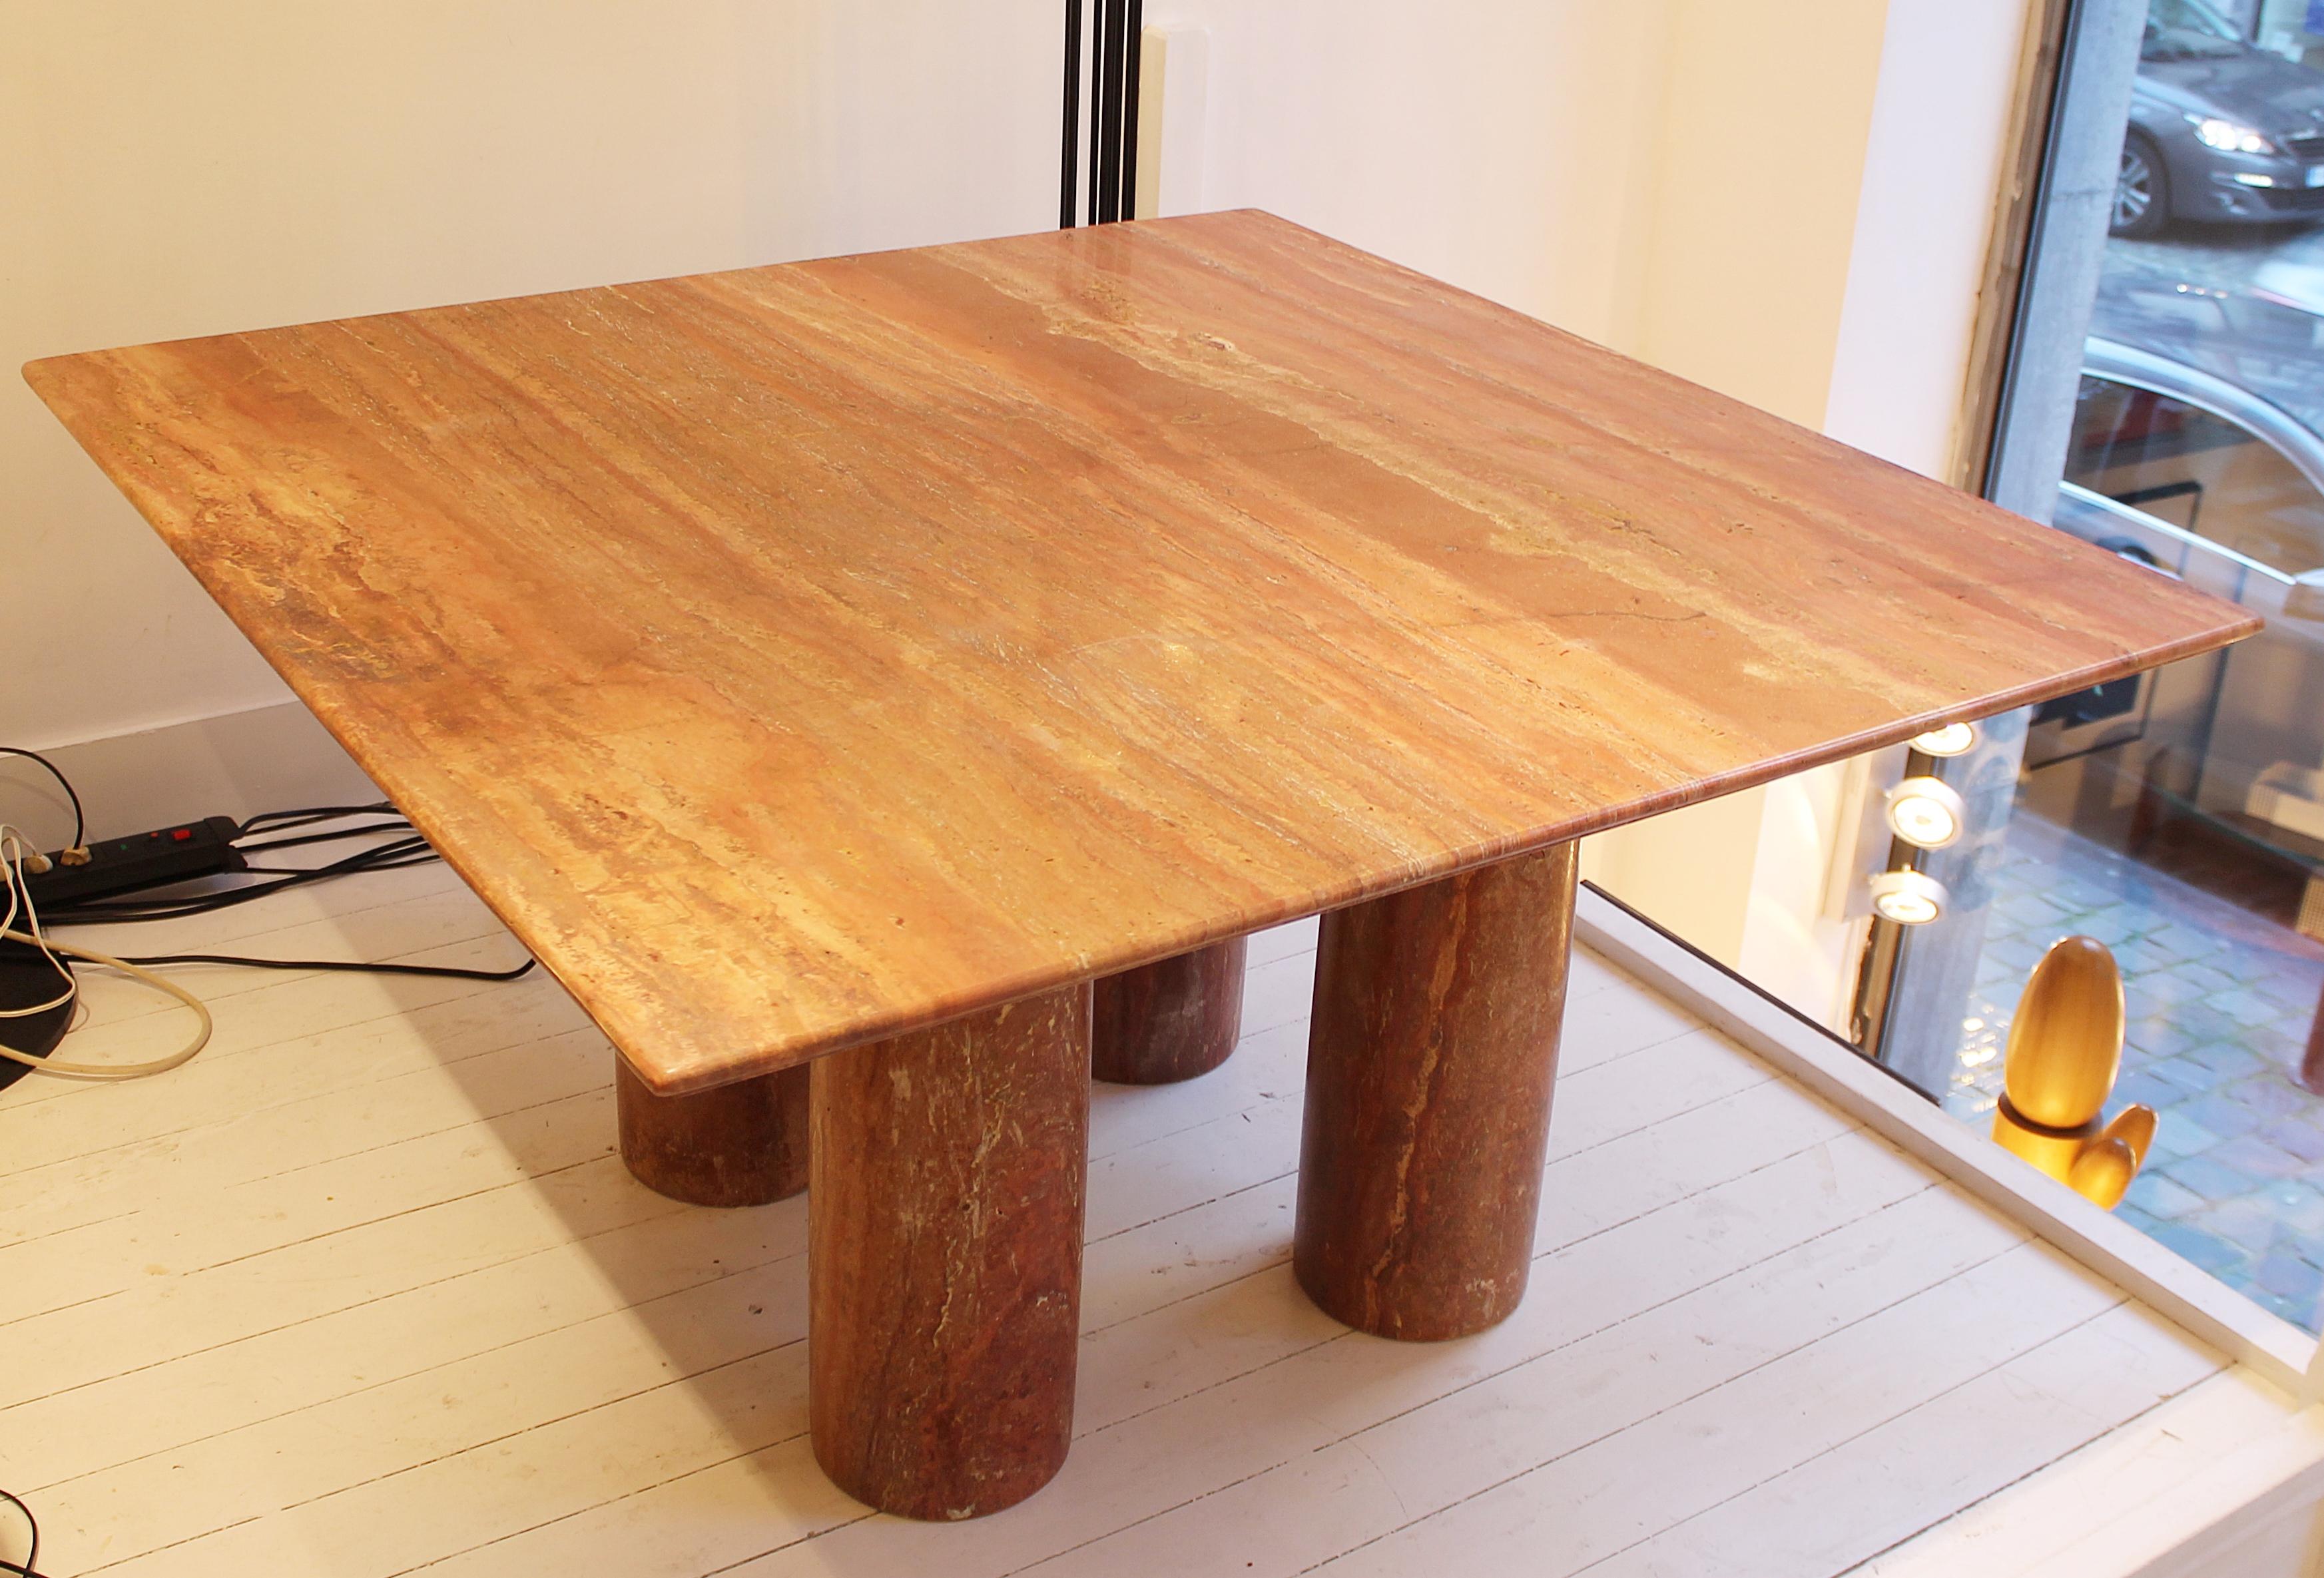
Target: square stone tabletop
(800, 655)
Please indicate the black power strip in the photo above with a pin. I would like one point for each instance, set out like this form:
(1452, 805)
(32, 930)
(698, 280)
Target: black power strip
(140, 861)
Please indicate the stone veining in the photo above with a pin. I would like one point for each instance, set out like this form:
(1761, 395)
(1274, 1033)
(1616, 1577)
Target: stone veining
(801, 656)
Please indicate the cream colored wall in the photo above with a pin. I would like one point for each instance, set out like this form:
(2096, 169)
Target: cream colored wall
(1674, 178)
(1760, 159)
(1506, 145)
(169, 170)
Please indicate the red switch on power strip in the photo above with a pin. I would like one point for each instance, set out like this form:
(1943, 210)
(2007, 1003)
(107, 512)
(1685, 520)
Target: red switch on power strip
(182, 835)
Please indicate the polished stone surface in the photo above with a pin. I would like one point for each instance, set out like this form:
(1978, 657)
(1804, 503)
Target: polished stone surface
(742, 1143)
(798, 656)
(1173, 1021)
(1430, 1067)
(947, 1179)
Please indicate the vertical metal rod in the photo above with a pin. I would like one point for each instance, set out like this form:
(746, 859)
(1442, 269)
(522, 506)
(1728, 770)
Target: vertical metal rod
(1096, 132)
(1134, 43)
(1069, 177)
(1875, 988)
(1109, 147)
(1884, 950)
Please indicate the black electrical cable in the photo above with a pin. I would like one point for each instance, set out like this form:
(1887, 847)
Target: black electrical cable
(397, 853)
(81, 822)
(267, 821)
(404, 848)
(335, 835)
(24, 1569)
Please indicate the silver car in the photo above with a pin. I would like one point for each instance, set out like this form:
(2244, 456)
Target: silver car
(2204, 480)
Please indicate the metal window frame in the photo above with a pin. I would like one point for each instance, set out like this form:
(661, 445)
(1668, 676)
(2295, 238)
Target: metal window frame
(2041, 275)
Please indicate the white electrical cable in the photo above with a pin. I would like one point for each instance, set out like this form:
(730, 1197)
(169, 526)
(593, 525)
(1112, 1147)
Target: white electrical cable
(19, 897)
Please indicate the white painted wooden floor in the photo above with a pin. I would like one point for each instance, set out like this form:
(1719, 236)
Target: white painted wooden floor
(364, 1291)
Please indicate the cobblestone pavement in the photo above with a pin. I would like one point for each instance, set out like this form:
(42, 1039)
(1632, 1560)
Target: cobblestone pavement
(2219, 1005)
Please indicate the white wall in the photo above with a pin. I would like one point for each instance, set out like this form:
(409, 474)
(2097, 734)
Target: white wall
(169, 170)
(1932, 175)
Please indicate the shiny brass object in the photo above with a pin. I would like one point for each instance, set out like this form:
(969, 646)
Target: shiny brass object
(2064, 1053)
(2103, 1172)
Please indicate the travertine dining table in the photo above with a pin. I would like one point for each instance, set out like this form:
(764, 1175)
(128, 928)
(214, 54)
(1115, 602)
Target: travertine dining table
(924, 667)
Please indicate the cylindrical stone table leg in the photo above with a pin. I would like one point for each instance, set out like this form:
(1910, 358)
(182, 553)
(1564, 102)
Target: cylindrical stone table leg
(943, 1257)
(1429, 1066)
(1171, 1021)
(740, 1144)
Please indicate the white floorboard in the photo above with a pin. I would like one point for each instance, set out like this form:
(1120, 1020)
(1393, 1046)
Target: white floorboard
(364, 1291)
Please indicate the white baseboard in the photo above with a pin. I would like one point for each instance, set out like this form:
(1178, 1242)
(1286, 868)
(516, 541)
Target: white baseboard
(266, 759)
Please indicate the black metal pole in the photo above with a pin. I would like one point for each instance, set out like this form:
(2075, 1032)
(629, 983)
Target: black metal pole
(1107, 170)
(1069, 178)
(1134, 47)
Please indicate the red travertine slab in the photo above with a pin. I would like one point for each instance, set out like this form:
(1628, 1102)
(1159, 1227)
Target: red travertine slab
(799, 656)
(1430, 1063)
(947, 1174)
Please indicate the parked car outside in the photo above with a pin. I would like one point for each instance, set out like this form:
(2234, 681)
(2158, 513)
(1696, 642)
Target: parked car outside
(2175, 465)
(2264, 339)
(2219, 130)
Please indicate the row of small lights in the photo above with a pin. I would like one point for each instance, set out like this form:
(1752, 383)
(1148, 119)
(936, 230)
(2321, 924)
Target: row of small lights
(1926, 813)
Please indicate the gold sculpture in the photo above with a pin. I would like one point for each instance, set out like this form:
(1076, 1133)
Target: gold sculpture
(2065, 1049)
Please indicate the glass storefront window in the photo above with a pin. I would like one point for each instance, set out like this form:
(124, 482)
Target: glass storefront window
(2174, 460)
(2179, 817)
